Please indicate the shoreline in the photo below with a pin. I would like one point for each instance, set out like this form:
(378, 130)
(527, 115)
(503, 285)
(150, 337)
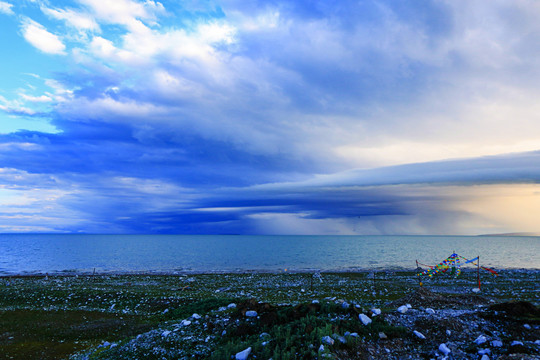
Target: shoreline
(70, 273)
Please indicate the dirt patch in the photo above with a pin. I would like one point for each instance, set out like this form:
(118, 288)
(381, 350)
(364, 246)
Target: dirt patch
(518, 309)
(423, 297)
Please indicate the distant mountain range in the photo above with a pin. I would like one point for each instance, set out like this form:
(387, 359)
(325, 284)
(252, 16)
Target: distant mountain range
(514, 234)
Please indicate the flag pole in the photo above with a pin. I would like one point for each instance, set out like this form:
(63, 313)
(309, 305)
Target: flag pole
(478, 273)
(418, 275)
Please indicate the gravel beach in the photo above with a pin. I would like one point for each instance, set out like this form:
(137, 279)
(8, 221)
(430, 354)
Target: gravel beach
(361, 315)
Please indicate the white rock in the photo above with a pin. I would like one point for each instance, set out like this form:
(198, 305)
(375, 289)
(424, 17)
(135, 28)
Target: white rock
(321, 348)
(165, 311)
(419, 334)
(243, 355)
(496, 343)
(355, 334)
(376, 312)
(328, 340)
(527, 326)
(251, 313)
(231, 306)
(315, 302)
(409, 306)
(345, 305)
(537, 342)
(185, 323)
(430, 311)
(484, 357)
(484, 352)
(403, 309)
(448, 332)
(364, 319)
(480, 340)
(476, 290)
(444, 349)
(196, 316)
(515, 342)
(165, 333)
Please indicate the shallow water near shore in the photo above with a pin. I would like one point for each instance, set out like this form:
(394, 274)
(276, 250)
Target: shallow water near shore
(52, 253)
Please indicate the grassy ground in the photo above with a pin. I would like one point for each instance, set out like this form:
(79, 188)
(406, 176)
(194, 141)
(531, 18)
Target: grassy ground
(58, 316)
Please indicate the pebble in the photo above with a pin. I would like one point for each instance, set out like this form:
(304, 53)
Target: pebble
(315, 302)
(382, 336)
(196, 316)
(165, 333)
(496, 343)
(448, 332)
(444, 349)
(409, 306)
(480, 340)
(403, 309)
(476, 290)
(328, 340)
(419, 334)
(251, 313)
(376, 312)
(345, 305)
(527, 326)
(243, 355)
(354, 334)
(321, 348)
(537, 342)
(484, 357)
(364, 319)
(430, 311)
(231, 306)
(484, 352)
(516, 342)
(185, 323)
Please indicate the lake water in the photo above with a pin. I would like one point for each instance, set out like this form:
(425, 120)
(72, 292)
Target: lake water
(47, 253)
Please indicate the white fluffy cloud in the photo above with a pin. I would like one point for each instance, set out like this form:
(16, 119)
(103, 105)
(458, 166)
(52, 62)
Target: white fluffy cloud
(5, 8)
(78, 20)
(37, 35)
(129, 13)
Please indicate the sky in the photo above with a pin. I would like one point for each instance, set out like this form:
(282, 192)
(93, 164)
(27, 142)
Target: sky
(270, 117)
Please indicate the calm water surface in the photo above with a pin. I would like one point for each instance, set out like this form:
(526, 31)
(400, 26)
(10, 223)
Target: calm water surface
(126, 253)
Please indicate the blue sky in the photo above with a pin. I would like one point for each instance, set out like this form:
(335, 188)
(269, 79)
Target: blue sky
(269, 117)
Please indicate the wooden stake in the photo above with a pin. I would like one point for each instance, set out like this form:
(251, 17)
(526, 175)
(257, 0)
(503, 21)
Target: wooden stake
(478, 273)
(418, 276)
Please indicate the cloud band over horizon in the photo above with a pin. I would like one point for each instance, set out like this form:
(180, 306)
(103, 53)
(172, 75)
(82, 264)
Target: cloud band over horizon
(273, 117)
